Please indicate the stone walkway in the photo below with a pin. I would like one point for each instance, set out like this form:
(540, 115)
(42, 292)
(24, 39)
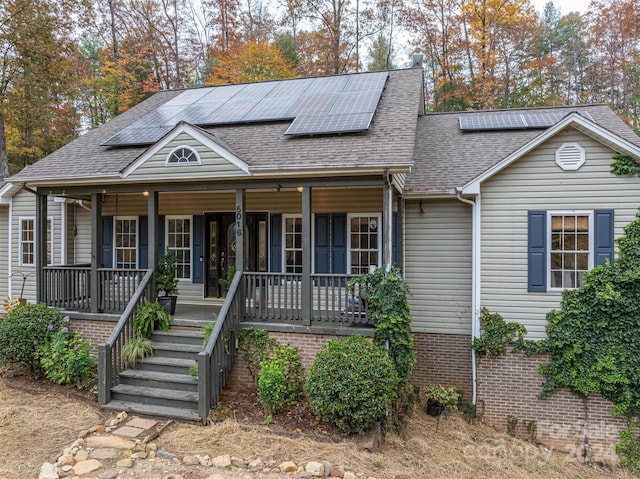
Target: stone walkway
(124, 448)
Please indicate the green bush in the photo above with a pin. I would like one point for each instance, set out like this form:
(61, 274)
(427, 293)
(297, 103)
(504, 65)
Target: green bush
(497, 334)
(66, 359)
(352, 384)
(629, 450)
(280, 379)
(136, 348)
(149, 317)
(24, 329)
(257, 345)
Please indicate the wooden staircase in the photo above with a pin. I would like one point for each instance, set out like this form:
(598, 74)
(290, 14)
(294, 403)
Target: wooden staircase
(161, 385)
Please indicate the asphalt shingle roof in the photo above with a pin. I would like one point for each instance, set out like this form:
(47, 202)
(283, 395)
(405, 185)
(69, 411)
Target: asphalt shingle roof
(446, 157)
(389, 142)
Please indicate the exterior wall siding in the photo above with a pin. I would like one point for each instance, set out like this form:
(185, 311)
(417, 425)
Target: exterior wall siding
(79, 235)
(24, 205)
(537, 183)
(4, 255)
(510, 385)
(438, 265)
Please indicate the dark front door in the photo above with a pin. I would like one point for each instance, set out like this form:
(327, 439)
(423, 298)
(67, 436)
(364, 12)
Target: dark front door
(221, 249)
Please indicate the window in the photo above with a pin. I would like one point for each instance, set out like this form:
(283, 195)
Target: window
(28, 241)
(570, 250)
(364, 243)
(292, 244)
(179, 241)
(126, 242)
(183, 155)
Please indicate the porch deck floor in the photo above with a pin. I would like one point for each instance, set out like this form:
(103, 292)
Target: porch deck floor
(197, 311)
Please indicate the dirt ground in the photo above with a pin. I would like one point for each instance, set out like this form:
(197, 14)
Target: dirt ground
(38, 419)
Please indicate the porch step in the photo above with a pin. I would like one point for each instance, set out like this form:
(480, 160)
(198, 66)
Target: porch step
(153, 410)
(178, 336)
(165, 364)
(187, 323)
(155, 396)
(159, 379)
(177, 350)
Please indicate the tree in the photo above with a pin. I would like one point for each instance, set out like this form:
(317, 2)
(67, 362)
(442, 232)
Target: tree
(380, 54)
(251, 62)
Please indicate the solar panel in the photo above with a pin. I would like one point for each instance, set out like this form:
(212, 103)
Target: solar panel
(319, 105)
(510, 121)
(325, 124)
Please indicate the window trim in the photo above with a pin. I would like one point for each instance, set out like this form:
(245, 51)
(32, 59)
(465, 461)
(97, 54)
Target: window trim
(286, 216)
(166, 241)
(350, 216)
(115, 247)
(183, 163)
(550, 214)
(50, 219)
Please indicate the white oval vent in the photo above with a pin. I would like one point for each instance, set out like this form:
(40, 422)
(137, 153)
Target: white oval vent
(570, 156)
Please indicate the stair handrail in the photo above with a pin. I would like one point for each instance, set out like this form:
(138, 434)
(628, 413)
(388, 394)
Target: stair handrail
(109, 354)
(216, 358)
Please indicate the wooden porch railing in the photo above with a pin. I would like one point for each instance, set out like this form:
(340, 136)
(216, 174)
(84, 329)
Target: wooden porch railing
(109, 354)
(277, 297)
(69, 287)
(216, 359)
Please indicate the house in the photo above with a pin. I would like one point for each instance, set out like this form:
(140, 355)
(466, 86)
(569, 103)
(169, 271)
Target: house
(283, 190)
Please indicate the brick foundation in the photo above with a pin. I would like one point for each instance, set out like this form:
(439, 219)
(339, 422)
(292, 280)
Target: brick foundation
(443, 359)
(96, 331)
(510, 385)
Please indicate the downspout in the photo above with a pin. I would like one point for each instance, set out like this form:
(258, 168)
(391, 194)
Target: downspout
(475, 282)
(10, 250)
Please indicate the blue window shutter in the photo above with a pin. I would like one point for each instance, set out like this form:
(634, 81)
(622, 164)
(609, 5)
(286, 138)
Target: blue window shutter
(339, 243)
(143, 243)
(322, 244)
(160, 236)
(107, 241)
(537, 251)
(394, 238)
(197, 256)
(275, 251)
(603, 240)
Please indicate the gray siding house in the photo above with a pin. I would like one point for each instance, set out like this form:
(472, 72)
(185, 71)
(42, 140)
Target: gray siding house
(298, 185)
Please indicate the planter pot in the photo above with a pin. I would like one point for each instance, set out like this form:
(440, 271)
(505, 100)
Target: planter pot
(434, 408)
(168, 303)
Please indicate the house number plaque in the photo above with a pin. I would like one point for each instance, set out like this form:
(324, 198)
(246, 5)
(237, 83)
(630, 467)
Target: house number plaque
(238, 220)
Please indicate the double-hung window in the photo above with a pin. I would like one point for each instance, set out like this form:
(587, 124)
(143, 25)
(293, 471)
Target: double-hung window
(179, 242)
(292, 244)
(125, 233)
(570, 248)
(28, 241)
(364, 242)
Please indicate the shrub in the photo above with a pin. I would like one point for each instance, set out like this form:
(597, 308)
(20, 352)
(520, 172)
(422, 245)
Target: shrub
(24, 329)
(629, 450)
(280, 379)
(257, 346)
(66, 359)
(136, 348)
(352, 384)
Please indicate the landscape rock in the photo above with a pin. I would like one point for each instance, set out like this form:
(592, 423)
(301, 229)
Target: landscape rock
(190, 460)
(315, 469)
(237, 461)
(127, 462)
(256, 464)
(48, 471)
(288, 466)
(349, 475)
(110, 442)
(85, 467)
(222, 461)
(165, 454)
(66, 461)
(204, 461)
(108, 474)
(105, 453)
(337, 471)
(81, 455)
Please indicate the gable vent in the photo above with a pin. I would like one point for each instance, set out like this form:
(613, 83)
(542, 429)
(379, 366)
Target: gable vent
(570, 156)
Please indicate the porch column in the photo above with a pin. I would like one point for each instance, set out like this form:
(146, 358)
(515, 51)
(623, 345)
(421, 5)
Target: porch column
(41, 246)
(307, 294)
(400, 239)
(152, 254)
(96, 248)
(387, 224)
(240, 229)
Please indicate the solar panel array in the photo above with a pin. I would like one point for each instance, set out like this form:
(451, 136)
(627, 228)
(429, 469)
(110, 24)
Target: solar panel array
(513, 121)
(324, 105)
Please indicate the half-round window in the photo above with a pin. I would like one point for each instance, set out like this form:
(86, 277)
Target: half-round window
(183, 155)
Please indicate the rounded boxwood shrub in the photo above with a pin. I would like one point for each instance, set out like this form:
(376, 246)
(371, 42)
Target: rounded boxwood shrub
(280, 379)
(24, 329)
(352, 384)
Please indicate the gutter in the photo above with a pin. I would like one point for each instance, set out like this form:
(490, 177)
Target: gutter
(475, 282)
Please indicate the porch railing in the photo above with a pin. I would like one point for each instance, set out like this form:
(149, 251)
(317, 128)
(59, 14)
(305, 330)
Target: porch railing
(69, 288)
(278, 297)
(110, 353)
(216, 359)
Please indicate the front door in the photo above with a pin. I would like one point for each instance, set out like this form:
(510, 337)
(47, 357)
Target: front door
(221, 249)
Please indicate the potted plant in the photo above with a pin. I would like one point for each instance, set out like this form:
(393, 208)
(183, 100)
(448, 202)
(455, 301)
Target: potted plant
(166, 281)
(439, 398)
(149, 317)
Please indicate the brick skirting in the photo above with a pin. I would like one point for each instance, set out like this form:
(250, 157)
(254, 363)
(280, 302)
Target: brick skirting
(96, 331)
(509, 386)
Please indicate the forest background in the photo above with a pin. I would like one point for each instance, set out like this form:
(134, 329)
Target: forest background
(70, 65)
